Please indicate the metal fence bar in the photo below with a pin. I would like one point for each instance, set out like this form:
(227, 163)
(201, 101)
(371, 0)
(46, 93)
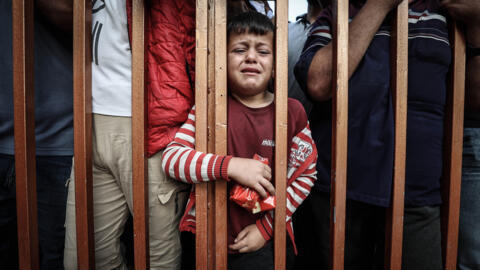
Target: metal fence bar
(339, 134)
(24, 129)
(453, 150)
(201, 79)
(139, 140)
(221, 130)
(281, 112)
(82, 125)
(399, 86)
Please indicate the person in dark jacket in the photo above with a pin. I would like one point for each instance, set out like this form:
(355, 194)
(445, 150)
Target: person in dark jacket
(53, 130)
(371, 132)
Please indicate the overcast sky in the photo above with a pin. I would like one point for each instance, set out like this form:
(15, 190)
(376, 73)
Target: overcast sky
(295, 8)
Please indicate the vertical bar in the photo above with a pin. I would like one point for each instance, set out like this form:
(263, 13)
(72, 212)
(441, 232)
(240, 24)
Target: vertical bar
(211, 131)
(24, 129)
(82, 125)
(399, 86)
(281, 110)
(339, 135)
(139, 140)
(221, 130)
(201, 79)
(453, 151)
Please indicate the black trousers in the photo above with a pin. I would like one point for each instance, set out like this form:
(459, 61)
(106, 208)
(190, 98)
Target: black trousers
(365, 235)
(51, 176)
(262, 259)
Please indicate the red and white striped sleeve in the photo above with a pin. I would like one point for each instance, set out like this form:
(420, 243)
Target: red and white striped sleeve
(301, 176)
(303, 150)
(182, 162)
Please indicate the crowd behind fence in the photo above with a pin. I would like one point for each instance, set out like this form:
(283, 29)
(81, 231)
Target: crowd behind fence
(211, 126)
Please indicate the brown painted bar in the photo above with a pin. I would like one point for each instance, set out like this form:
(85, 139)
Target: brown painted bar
(399, 86)
(82, 124)
(139, 140)
(281, 111)
(211, 132)
(221, 130)
(24, 130)
(339, 135)
(453, 150)
(201, 78)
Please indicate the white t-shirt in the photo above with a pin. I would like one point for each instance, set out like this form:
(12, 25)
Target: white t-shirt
(111, 59)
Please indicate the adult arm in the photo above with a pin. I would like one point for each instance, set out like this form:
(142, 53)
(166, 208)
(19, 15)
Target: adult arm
(58, 13)
(472, 84)
(468, 12)
(362, 29)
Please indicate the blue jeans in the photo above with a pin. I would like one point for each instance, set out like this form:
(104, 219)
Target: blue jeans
(52, 175)
(469, 237)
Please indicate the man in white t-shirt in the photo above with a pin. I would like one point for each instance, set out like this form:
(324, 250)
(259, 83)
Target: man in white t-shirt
(112, 148)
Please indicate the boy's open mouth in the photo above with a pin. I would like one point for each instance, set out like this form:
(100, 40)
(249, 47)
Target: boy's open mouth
(250, 70)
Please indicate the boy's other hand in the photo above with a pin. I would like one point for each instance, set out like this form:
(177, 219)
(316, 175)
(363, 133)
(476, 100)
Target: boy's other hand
(251, 173)
(248, 240)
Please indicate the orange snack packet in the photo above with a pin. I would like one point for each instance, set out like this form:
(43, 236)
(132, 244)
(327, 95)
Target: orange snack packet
(249, 198)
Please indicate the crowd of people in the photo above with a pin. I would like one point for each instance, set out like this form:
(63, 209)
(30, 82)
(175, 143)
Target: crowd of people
(174, 166)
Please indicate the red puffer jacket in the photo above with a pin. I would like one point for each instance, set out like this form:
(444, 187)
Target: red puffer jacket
(170, 62)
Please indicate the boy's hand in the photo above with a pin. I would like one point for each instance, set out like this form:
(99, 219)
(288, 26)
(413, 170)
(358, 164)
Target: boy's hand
(248, 240)
(251, 173)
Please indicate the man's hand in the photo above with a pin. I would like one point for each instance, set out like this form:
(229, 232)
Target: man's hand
(59, 13)
(251, 173)
(385, 5)
(248, 240)
(468, 12)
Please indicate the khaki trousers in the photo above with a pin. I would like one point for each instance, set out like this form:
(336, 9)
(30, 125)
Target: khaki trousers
(112, 201)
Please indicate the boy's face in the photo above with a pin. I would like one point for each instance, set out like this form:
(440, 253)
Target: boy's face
(249, 63)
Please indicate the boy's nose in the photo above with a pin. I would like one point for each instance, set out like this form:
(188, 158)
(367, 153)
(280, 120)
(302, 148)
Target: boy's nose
(251, 56)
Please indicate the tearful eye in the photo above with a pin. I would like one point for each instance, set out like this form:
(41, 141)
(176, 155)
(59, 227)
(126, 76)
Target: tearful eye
(238, 50)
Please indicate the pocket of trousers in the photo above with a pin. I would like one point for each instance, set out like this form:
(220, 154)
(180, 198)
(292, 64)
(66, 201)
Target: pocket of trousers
(180, 197)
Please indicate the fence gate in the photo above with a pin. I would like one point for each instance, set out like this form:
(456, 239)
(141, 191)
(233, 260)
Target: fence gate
(211, 132)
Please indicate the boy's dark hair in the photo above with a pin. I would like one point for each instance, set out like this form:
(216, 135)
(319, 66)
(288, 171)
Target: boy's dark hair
(250, 22)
